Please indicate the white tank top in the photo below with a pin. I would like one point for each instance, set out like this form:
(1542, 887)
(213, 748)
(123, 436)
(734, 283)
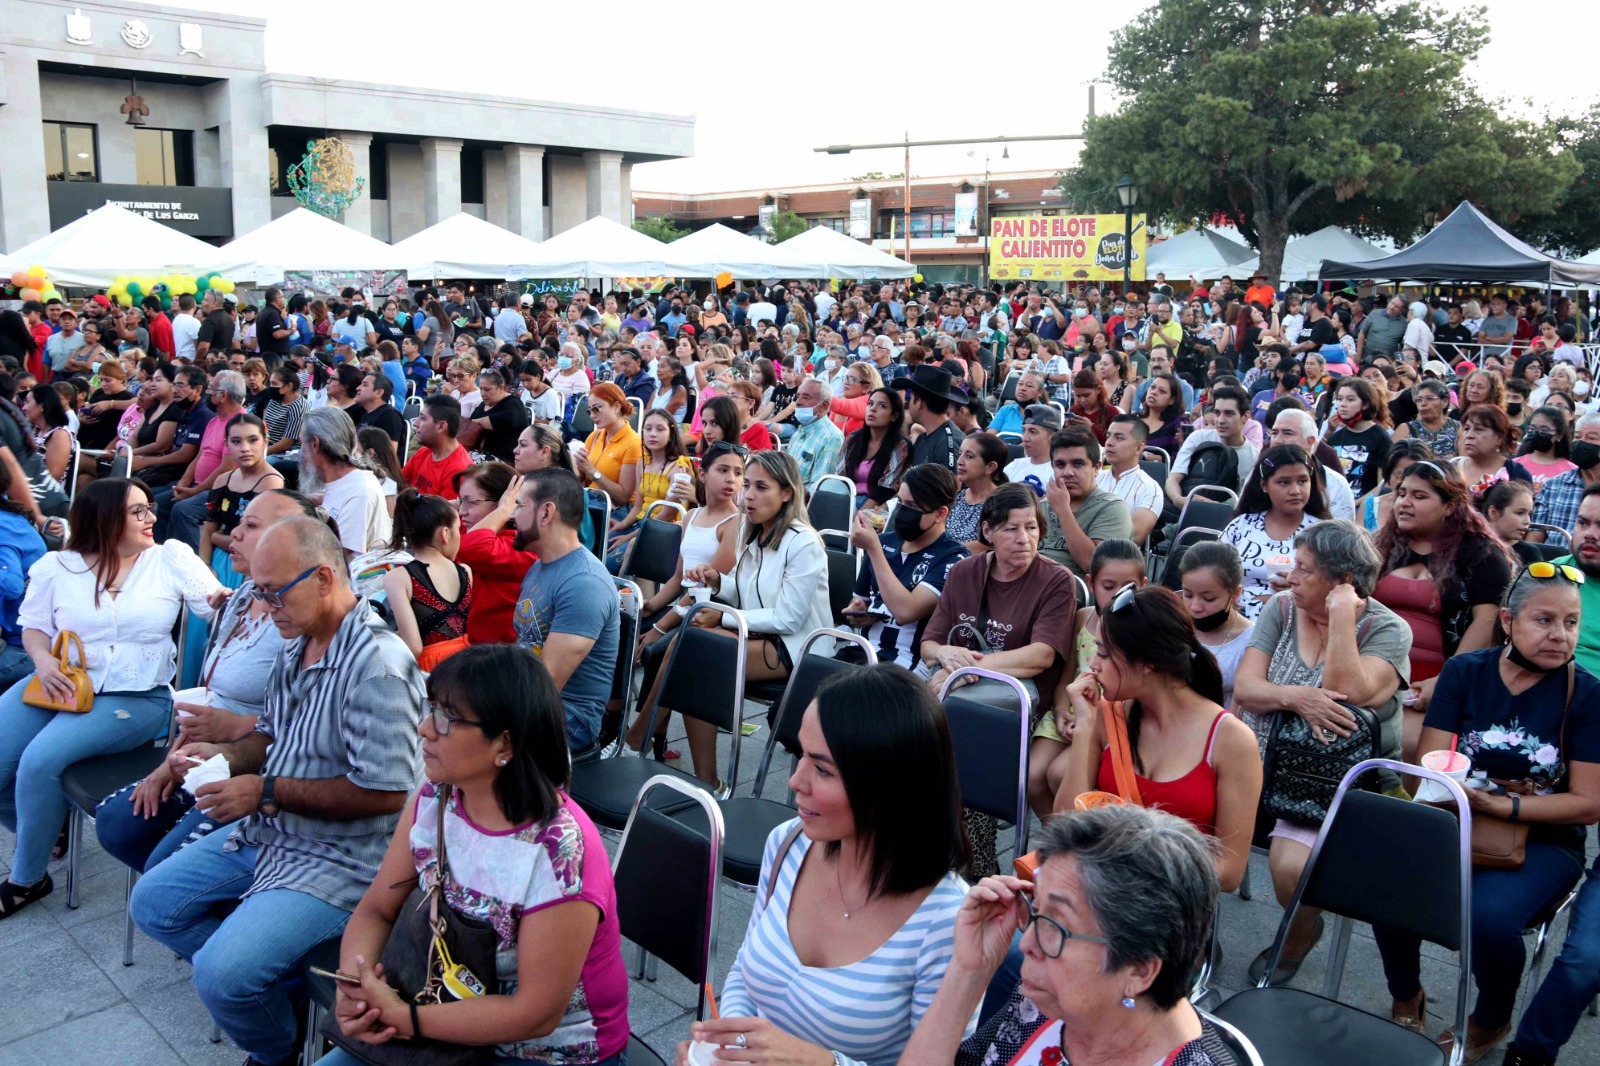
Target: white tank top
(700, 542)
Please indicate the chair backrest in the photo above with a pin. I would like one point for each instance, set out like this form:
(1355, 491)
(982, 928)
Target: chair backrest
(653, 554)
(1150, 451)
(1080, 588)
(1213, 514)
(582, 424)
(1014, 449)
(991, 746)
(841, 581)
(666, 877)
(1244, 1052)
(1549, 531)
(832, 504)
(631, 604)
(599, 506)
(1008, 391)
(809, 674)
(704, 677)
(412, 409)
(1157, 470)
(1172, 571)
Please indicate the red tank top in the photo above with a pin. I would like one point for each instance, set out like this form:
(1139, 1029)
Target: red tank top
(1417, 601)
(1192, 797)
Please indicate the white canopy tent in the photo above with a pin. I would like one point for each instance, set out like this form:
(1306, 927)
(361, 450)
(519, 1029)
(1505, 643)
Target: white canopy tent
(1202, 253)
(599, 248)
(109, 242)
(821, 252)
(465, 246)
(302, 240)
(718, 249)
(1303, 256)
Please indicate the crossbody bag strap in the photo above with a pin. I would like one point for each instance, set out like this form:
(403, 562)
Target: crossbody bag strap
(1117, 741)
(777, 863)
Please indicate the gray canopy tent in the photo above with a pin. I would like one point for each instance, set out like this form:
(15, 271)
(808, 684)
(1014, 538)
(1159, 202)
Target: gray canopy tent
(1469, 246)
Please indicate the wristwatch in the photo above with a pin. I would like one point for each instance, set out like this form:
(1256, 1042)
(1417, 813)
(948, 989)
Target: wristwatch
(268, 807)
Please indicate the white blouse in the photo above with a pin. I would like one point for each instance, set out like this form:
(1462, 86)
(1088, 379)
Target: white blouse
(127, 638)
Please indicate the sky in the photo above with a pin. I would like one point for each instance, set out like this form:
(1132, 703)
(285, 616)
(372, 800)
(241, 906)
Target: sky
(772, 82)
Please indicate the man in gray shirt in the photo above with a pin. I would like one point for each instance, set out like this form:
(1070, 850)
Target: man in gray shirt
(1500, 328)
(1382, 331)
(316, 789)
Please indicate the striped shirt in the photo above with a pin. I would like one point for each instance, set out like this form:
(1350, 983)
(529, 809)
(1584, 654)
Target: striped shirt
(283, 419)
(865, 1011)
(352, 714)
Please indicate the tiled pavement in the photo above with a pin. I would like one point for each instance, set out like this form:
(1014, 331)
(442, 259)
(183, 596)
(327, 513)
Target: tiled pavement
(68, 999)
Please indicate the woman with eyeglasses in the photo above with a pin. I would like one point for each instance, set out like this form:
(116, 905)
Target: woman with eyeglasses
(486, 498)
(1444, 572)
(849, 406)
(1529, 716)
(1189, 756)
(121, 593)
(609, 460)
(521, 857)
(1283, 496)
(1121, 906)
(1433, 425)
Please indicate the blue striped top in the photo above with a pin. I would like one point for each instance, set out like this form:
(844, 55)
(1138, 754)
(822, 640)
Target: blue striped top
(865, 1011)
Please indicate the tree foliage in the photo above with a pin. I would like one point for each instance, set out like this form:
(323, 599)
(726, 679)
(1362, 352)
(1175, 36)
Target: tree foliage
(660, 227)
(1289, 115)
(1572, 228)
(786, 224)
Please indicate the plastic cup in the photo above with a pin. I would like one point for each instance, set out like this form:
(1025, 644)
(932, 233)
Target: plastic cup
(877, 518)
(701, 594)
(200, 696)
(1088, 801)
(700, 1052)
(1452, 764)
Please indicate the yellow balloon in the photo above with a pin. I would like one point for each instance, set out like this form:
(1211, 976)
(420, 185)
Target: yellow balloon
(916, 277)
(124, 299)
(225, 285)
(37, 271)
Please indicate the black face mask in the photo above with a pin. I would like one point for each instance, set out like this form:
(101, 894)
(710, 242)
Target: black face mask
(1585, 454)
(1540, 440)
(1212, 622)
(1516, 658)
(908, 523)
(1513, 408)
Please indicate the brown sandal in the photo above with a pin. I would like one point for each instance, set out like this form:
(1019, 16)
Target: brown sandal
(1418, 1022)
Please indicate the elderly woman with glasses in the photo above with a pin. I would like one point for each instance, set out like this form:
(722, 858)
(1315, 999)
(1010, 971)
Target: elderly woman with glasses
(120, 593)
(1529, 716)
(1323, 643)
(849, 407)
(1120, 908)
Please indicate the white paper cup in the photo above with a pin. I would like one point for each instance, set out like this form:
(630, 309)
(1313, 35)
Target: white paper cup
(700, 1052)
(701, 594)
(1452, 764)
(200, 696)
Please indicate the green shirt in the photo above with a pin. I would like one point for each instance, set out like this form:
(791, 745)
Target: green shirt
(1102, 515)
(1588, 652)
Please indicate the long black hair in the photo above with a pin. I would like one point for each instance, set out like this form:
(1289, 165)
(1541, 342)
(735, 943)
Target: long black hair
(1155, 630)
(855, 446)
(418, 517)
(509, 690)
(890, 742)
(1254, 499)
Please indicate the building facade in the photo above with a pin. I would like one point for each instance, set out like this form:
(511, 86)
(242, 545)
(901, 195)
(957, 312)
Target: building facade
(943, 248)
(173, 113)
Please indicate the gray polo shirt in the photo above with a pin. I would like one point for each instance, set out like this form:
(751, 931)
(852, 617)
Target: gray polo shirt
(1383, 333)
(353, 714)
(1102, 515)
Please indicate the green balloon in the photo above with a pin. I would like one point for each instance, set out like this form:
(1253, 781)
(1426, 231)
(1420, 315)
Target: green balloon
(135, 289)
(166, 303)
(201, 284)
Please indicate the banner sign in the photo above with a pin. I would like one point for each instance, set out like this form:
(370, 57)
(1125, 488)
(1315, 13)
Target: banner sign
(966, 214)
(373, 282)
(559, 286)
(1067, 248)
(860, 218)
(195, 210)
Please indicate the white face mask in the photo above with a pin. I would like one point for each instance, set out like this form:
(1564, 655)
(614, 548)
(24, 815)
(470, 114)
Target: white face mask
(1580, 388)
(710, 305)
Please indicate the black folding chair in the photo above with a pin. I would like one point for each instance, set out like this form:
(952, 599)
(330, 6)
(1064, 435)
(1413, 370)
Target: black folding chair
(1008, 391)
(992, 769)
(1383, 860)
(751, 819)
(832, 509)
(842, 567)
(1244, 1052)
(599, 507)
(653, 553)
(666, 884)
(631, 604)
(703, 678)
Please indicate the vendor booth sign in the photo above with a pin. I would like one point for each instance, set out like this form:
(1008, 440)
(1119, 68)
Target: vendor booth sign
(1064, 248)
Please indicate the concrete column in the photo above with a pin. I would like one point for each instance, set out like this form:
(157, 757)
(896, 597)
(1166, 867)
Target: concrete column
(24, 199)
(358, 216)
(604, 170)
(567, 192)
(525, 190)
(243, 137)
(627, 194)
(441, 179)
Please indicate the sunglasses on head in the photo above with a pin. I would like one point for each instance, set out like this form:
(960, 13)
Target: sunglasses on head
(1123, 599)
(726, 446)
(1543, 571)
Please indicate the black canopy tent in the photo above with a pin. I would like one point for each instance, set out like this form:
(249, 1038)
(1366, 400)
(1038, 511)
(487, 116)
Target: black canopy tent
(1468, 246)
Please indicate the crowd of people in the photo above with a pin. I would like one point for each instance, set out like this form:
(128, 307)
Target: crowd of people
(393, 527)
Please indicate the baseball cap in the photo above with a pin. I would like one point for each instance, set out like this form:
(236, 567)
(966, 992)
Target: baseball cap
(230, 299)
(527, 299)
(1437, 366)
(1042, 415)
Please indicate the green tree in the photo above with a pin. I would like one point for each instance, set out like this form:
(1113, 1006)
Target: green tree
(786, 224)
(660, 227)
(1290, 115)
(1573, 227)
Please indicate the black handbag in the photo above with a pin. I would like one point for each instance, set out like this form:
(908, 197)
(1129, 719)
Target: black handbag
(1302, 772)
(412, 965)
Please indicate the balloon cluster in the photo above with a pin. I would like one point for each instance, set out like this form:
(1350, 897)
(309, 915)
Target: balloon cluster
(129, 291)
(32, 284)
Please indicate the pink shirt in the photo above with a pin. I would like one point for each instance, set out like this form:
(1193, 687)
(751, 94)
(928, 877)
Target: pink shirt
(213, 448)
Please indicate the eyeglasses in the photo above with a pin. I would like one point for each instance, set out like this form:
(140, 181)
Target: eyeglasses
(726, 446)
(274, 600)
(142, 511)
(1049, 934)
(468, 501)
(1543, 571)
(444, 719)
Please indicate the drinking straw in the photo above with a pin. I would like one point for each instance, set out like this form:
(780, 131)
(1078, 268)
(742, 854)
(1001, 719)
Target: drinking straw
(711, 997)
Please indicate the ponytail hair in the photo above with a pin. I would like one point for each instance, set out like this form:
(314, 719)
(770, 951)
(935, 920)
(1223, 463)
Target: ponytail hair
(418, 517)
(1156, 631)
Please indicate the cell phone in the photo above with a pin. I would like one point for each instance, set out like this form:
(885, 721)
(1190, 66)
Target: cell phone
(335, 975)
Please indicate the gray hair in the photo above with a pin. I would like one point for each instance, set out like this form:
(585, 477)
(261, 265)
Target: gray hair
(1341, 550)
(790, 329)
(313, 541)
(1433, 385)
(824, 393)
(1591, 419)
(231, 384)
(1037, 374)
(1308, 425)
(333, 431)
(1150, 878)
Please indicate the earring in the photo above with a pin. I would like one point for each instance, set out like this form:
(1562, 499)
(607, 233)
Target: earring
(1128, 1001)
(501, 762)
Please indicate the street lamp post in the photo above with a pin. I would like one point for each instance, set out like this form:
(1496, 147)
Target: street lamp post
(1128, 194)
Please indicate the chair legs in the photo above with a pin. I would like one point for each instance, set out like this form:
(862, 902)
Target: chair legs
(74, 849)
(1336, 956)
(311, 1049)
(1244, 885)
(127, 919)
(216, 1033)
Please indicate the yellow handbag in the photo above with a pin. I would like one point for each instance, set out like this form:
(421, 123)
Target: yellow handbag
(83, 689)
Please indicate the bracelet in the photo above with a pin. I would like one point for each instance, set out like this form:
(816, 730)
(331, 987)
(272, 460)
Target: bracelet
(657, 627)
(1516, 807)
(416, 1026)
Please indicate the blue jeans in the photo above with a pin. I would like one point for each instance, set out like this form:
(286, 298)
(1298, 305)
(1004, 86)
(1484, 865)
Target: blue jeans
(1504, 903)
(14, 665)
(36, 746)
(143, 843)
(186, 518)
(242, 963)
(341, 1057)
(1550, 1016)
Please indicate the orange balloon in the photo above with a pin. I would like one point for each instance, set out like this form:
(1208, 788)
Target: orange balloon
(28, 294)
(36, 281)
(19, 278)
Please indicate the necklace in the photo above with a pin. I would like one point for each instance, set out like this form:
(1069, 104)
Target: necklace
(838, 876)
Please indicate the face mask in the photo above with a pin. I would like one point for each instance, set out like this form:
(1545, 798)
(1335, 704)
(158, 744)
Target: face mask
(564, 363)
(805, 415)
(908, 522)
(1211, 622)
(1580, 389)
(1518, 659)
(830, 364)
(1116, 309)
(1585, 454)
(710, 305)
(1513, 408)
(1079, 312)
(1540, 440)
